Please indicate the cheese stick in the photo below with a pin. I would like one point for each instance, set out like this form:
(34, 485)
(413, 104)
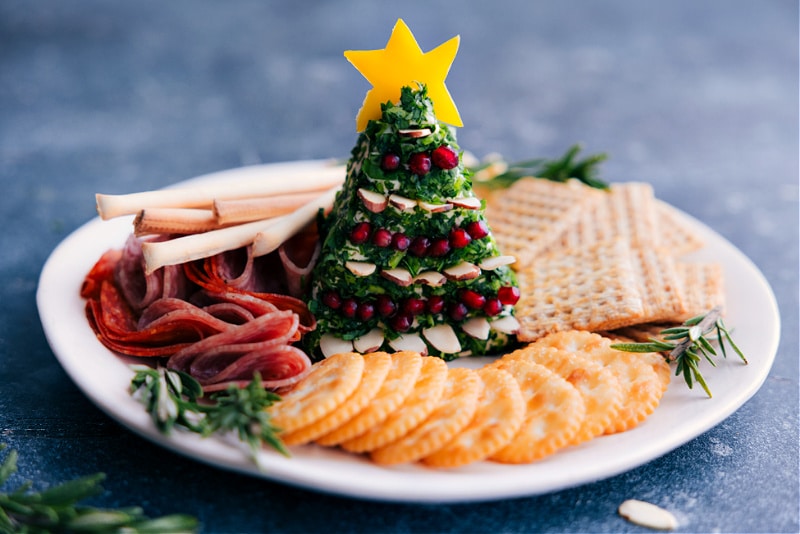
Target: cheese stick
(197, 246)
(271, 236)
(203, 195)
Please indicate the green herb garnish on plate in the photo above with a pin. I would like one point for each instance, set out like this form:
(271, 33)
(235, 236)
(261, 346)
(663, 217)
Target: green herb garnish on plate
(688, 344)
(173, 399)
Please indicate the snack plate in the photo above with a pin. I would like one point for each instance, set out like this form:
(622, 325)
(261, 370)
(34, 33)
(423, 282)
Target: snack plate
(104, 377)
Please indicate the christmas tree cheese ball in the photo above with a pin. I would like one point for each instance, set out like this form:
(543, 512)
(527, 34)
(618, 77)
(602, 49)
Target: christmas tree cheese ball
(408, 261)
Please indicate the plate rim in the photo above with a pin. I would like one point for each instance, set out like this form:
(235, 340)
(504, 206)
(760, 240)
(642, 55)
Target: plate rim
(377, 483)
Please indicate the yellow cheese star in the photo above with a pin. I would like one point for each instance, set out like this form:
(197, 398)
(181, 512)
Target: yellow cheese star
(402, 64)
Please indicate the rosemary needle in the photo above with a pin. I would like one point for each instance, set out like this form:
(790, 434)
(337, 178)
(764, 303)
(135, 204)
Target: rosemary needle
(565, 168)
(58, 508)
(172, 398)
(688, 344)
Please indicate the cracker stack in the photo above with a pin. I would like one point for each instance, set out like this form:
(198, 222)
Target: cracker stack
(600, 260)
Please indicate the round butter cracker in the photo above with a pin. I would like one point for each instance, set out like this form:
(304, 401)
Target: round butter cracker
(453, 412)
(404, 371)
(327, 385)
(416, 408)
(376, 368)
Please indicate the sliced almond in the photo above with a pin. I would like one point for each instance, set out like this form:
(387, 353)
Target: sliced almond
(463, 271)
(477, 327)
(369, 342)
(330, 345)
(399, 276)
(415, 132)
(434, 208)
(506, 325)
(412, 342)
(647, 515)
(490, 264)
(470, 203)
(443, 338)
(402, 203)
(430, 278)
(374, 202)
(360, 268)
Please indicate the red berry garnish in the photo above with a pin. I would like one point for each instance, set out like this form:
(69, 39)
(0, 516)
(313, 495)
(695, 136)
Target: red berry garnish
(385, 306)
(508, 295)
(332, 300)
(366, 311)
(419, 246)
(349, 308)
(413, 306)
(439, 247)
(400, 241)
(419, 163)
(445, 157)
(492, 307)
(457, 311)
(435, 304)
(390, 162)
(459, 238)
(477, 229)
(360, 233)
(382, 237)
(472, 299)
(401, 322)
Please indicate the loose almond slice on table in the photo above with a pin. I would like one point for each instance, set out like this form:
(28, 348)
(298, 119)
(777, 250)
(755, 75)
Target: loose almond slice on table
(395, 388)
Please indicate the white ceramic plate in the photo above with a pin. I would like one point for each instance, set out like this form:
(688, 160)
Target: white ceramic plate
(683, 414)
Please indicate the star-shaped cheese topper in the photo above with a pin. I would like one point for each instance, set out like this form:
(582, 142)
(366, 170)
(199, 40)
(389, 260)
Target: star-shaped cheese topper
(403, 64)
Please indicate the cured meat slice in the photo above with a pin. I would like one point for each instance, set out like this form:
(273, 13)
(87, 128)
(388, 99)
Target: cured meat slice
(219, 333)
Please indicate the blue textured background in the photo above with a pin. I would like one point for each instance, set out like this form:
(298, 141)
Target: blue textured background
(699, 98)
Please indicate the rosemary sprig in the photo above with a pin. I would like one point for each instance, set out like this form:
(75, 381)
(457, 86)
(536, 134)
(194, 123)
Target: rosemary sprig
(687, 345)
(57, 509)
(172, 398)
(562, 169)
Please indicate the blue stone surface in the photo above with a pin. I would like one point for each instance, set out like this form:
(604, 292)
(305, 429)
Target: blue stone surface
(698, 98)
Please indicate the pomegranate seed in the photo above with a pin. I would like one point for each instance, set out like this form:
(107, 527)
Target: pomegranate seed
(349, 308)
(385, 306)
(419, 163)
(459, 238)
(390, 162)
(457, 311)
(419, 246)
(492, 307)
(445, 157)
(477, 229)
(508, 295)
(472, 299)
(413, 306)
(332, 300)
(440, 247)
(435, 304)
(401, 322)
(360, 233)
(400, 241)
(382, 237)
(366, 311)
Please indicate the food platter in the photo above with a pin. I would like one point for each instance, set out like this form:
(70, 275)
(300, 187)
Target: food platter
(104, 377)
